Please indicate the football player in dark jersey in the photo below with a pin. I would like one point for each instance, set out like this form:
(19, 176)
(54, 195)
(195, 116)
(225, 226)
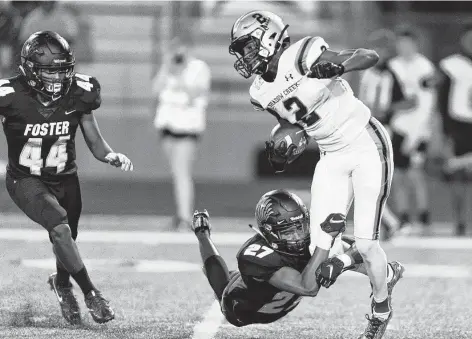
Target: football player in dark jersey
(41, 109)
(275, 268)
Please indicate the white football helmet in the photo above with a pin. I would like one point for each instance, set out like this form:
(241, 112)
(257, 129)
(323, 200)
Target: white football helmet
(255, 38)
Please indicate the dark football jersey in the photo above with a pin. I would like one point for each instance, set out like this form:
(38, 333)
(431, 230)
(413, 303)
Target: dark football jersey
(41, 140)
(257, 262)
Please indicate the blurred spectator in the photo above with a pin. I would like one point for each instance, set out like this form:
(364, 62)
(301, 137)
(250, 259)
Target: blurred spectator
(455, 104)
(9, 25)
(411, 128)
(381, 91)
(51, 16)
(182, 86)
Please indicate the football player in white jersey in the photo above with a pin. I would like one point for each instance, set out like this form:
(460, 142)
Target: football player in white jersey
(300, 84)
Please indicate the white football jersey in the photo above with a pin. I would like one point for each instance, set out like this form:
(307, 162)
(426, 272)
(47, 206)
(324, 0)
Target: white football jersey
(326, 108)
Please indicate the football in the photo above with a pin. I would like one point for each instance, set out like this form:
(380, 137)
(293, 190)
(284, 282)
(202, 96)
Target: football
(290, 135)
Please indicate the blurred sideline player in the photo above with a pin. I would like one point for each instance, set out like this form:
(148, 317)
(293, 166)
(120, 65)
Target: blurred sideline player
(275, 268)
(381, 91)
(411, 128)
(42, 108)
(301, 84)
(455, 104)
(183, 86)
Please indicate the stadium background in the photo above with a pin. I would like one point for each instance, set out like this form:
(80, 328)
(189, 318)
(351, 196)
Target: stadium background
(120, 44)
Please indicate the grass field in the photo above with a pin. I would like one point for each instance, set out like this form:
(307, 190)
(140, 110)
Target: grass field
(154, 281)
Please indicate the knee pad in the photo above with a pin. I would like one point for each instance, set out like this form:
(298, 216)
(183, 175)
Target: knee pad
(60, 233)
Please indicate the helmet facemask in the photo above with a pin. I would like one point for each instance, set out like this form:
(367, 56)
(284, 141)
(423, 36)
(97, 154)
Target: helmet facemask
(252, 57)
(291, 238)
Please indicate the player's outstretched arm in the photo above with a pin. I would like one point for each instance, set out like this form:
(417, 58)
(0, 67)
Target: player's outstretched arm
(99, 147)
(351, 59)
(305, 283)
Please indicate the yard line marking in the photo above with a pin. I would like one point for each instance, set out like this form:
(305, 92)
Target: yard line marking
(208, 327)
(427, 271)
(220, 238)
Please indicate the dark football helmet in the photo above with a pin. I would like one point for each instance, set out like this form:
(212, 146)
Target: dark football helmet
(47, 63)
(284, 222)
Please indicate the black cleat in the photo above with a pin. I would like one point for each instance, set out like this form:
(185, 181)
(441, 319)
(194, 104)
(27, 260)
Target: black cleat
(376, 327)
(201, 222)
(69, 306)
(99, 307)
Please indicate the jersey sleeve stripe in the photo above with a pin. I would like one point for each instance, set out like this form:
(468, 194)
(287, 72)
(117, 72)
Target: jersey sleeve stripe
(302, 55)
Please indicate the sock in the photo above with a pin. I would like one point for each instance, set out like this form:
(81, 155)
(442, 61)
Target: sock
(62, 277)
(389, 273)
(345, 259)
(83, 280)
(381, 309)
(217, 274)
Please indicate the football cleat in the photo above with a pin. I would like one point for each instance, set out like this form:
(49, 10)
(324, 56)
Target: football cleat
(375, 328)
(99, 307)
(201, 221)
(69, 306)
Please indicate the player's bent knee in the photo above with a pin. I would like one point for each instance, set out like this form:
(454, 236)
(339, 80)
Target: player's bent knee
(366, 246)
(60, 233)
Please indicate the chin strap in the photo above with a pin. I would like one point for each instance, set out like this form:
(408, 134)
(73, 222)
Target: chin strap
(258, 231)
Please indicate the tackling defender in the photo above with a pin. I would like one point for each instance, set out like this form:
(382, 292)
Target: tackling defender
(301, 84)
(275, 266)
(41, 109)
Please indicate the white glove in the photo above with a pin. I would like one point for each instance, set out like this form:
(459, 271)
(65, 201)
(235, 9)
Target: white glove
(119, 160)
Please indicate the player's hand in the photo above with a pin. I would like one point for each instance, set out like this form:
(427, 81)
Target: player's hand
(325, 70)
(334, 224)
(329, 271)
(278, 157)
(119, 160)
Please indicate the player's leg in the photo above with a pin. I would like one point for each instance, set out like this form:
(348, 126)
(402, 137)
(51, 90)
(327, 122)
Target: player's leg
(401, 189)
(71, 200)
(180, 152)
(331, 192)
(36, 200)
(372, 180)
(391, 221)
(460, 196)
(417, 177)
(214, 266)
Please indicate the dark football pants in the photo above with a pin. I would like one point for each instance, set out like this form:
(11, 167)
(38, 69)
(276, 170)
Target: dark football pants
(48, 204)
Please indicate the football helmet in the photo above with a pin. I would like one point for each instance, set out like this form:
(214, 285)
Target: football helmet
(255, 38)
(283, 221)
(47, 63)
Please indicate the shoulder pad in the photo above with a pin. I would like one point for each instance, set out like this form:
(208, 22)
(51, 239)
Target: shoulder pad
(86, 89)
(257, 260)
(6, 92)
(308, 53)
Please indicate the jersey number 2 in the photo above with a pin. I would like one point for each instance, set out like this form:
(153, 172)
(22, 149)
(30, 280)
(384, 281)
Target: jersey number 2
(301, 111)
(282, 302)
(31, 155)
(254, 249)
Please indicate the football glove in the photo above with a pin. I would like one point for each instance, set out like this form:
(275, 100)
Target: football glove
(334, 224)
(279, 157)
(329, 271)
(325, 70)
(119, 160)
